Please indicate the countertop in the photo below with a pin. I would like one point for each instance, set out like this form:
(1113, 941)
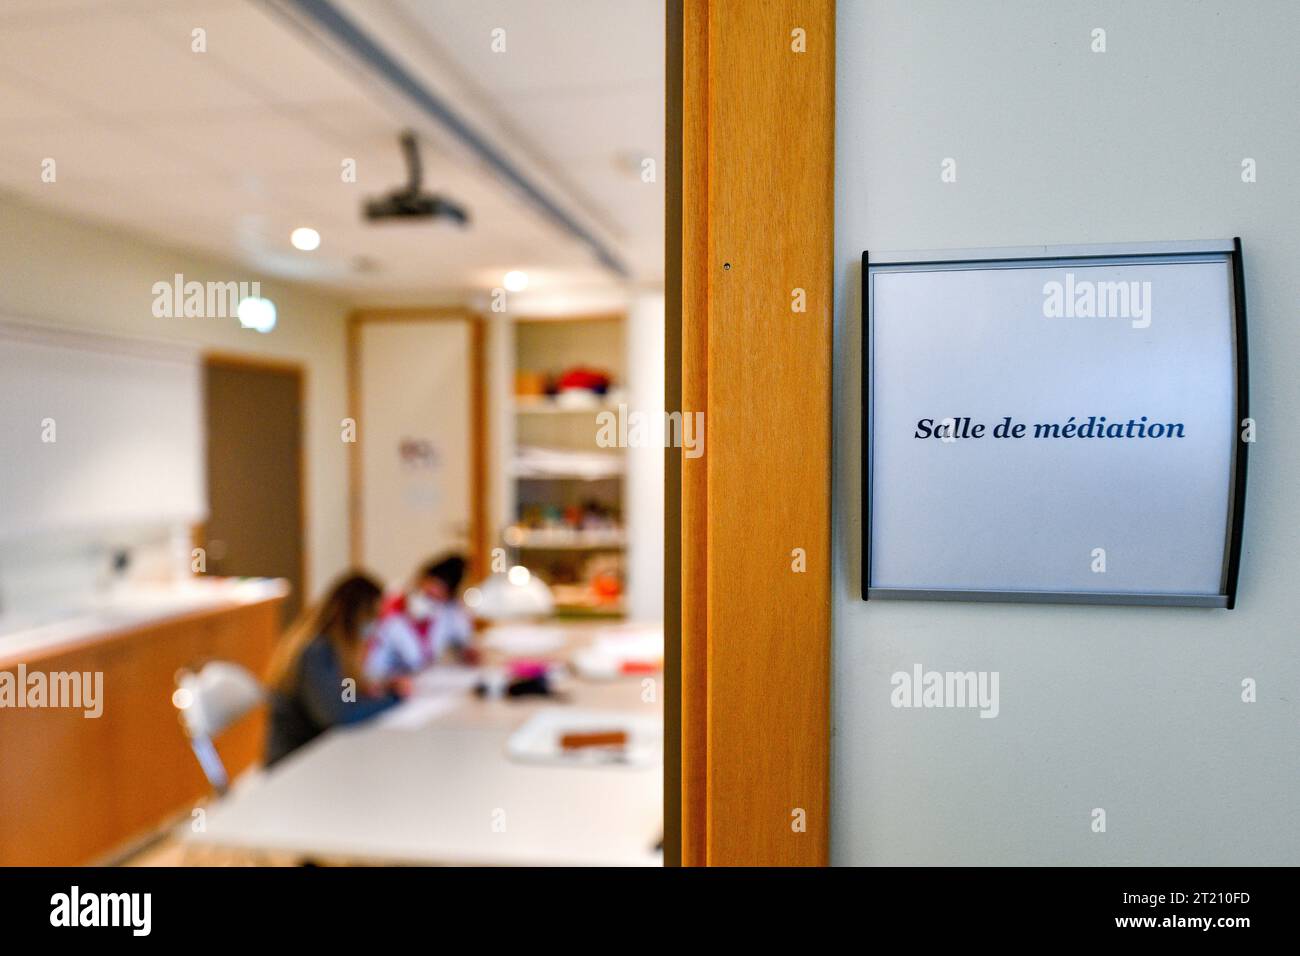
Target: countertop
(129, 609)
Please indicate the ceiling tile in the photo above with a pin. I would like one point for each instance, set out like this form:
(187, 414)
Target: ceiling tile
(119, 67)
(248, 41)
(240, 142)
(581, 44)
(12, 11)
(23, 101)
(89, 150)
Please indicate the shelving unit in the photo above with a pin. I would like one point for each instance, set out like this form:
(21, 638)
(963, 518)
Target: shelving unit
(551, 406)
(568, 494)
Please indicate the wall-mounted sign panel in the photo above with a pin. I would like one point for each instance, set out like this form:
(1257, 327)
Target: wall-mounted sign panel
(1065, 426)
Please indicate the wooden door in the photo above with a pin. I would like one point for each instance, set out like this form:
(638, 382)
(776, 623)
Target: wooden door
(254, 418)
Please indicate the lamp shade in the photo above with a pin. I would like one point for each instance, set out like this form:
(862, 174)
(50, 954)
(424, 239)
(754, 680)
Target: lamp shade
(512, 596)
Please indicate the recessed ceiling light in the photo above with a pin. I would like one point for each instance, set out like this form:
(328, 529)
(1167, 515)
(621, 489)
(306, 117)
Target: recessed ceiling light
(516, 281)
(305, 238)
(257, 314)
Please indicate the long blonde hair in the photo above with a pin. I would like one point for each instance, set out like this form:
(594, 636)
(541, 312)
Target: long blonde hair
(337, 618)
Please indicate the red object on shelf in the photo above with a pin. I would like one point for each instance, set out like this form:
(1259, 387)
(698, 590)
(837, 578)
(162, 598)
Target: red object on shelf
(607, 587)
(588, 379)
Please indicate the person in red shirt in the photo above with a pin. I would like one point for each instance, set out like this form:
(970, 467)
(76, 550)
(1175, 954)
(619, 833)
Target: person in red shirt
(423, 625)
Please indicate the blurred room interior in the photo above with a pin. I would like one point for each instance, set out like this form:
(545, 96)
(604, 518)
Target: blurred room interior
(295, 287)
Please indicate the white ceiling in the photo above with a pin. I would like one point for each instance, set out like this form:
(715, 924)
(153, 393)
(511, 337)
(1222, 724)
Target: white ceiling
(227, 151)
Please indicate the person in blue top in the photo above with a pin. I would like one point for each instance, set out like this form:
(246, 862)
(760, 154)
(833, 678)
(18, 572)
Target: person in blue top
(315, 676)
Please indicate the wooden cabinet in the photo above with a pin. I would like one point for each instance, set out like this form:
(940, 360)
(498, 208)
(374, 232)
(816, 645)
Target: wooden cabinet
(75, 789)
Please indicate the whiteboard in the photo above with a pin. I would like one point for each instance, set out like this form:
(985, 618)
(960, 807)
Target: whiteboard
(126, 419)
(1054, 427)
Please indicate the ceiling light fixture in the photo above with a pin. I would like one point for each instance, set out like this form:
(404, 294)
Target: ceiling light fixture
(305, 238)
(516, 281)
(257, 314)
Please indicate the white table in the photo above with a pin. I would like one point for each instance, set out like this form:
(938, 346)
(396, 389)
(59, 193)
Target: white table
(445, 792)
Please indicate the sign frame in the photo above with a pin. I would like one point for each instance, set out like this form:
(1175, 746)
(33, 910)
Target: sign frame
(1228, 250)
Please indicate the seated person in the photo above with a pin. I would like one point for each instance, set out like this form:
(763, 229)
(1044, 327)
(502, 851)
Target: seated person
(419, 628)
(315, 676)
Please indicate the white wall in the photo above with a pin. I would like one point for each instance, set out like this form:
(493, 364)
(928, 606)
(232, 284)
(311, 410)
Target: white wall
(1134, 710)
(644, 508)
(55, 270)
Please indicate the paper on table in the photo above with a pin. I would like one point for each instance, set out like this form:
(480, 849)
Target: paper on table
(525, 640)
(538, 739)
(415, 713)
(618, 646)
(447, 679)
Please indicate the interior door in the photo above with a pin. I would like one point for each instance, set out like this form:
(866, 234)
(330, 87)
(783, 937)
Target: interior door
(418, 485)
(254, 471)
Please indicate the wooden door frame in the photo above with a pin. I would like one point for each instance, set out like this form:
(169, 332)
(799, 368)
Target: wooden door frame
(245, 360)
(478, 532)
(750, 219)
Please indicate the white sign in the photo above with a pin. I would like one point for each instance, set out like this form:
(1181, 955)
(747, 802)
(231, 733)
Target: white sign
(1054, 429)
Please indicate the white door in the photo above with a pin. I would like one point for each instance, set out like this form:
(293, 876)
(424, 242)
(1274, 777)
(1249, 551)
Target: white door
(415, 432)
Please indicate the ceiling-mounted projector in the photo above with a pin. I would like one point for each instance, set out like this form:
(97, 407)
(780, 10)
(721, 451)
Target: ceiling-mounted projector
(409, 202)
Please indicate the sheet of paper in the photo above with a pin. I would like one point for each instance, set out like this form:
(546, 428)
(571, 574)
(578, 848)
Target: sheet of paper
(447, 679)
(418, 712)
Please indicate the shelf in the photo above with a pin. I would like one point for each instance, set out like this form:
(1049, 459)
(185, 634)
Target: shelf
(549, 406)
(544, 464)
(565, 476)
(563, 539)
(589, 611)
